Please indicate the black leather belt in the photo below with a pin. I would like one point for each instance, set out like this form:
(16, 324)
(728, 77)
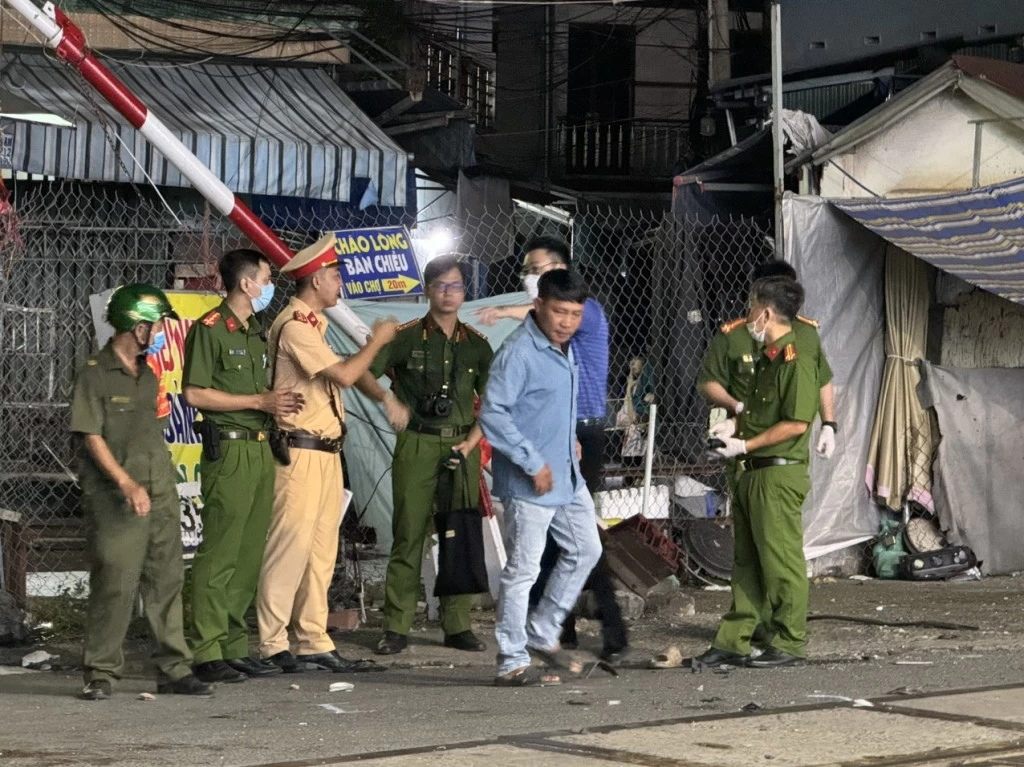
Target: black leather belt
(250, 436)
(591, 422)
(440, 431)
(305, 441)
(750, 464)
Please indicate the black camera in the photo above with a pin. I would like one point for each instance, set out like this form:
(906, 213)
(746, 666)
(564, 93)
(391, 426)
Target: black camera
(436, 405)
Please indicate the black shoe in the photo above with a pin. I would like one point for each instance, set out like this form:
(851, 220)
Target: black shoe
(285, 661)
(464, 640)
(715, 657)
(773, 657)
(613, 655)
(332, 661)
(218, 671)
(391, 643)
(251, 667)
(97, 689)
(187, 685)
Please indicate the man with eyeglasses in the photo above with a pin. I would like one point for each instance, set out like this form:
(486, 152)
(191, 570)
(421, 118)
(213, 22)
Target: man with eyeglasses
(590, 347)
(437, 366)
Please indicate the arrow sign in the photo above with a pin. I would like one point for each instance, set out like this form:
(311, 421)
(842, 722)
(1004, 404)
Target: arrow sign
(377, 263)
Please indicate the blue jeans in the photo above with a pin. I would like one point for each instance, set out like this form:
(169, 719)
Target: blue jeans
(574, 528)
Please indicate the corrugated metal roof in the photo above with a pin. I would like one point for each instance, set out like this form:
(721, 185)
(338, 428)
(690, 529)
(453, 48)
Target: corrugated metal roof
(284, 131)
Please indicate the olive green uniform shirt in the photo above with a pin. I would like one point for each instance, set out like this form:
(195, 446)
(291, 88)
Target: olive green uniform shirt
(732, 355)
(786, 388)
(421, 359)
(121, 408)
(223, 354)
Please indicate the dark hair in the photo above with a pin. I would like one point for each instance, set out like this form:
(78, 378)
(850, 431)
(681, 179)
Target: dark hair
(773, 269)
(562, 285)
(783, 294)
(554, 245)
(441, 265)
(236, 264)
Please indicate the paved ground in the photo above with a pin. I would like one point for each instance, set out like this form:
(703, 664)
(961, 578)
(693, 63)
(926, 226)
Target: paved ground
(438, 708)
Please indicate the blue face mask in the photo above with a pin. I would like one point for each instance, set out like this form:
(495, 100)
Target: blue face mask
(159, 341)
(262, 301)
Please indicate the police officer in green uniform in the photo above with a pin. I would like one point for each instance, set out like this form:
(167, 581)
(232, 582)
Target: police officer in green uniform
(727, 373)
(437, 364)
(225, 377)
(770, 440)
(129, 498)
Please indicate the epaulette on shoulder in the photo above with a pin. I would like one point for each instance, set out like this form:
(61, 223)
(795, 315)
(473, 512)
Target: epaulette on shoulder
(734, 325)
(409, 324)
(808, 321)
(211, 319)
(474, 331)
(789, 353)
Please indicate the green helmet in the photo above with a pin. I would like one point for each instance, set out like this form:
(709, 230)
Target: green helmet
(131, 304)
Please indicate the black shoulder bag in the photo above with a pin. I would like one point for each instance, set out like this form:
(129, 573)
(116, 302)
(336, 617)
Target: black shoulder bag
(461, 567)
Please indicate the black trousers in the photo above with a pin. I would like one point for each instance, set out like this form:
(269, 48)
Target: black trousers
(593, 439)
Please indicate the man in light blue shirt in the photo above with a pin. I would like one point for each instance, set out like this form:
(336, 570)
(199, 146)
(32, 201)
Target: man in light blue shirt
(529, 417)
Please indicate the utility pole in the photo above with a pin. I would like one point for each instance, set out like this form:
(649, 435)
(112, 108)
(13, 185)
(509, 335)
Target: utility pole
(778, 139)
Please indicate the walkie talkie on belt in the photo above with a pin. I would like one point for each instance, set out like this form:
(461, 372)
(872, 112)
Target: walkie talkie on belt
(209, 433)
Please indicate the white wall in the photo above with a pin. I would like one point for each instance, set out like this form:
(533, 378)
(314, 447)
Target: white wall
(930, 150)
(665, 54)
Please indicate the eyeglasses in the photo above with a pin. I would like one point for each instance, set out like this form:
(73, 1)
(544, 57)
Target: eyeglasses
(535, 268)
(449, 287)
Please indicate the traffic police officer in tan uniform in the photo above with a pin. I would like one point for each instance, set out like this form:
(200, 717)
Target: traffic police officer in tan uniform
(129, 498)
(770, 440)
(438, 365)
(298, 564)
(225, 377)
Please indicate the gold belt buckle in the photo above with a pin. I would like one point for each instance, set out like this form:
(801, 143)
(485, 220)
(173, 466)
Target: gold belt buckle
(447, 432)
(261, 436)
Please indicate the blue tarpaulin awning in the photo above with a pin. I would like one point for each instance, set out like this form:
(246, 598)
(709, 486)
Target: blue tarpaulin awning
(977, 235)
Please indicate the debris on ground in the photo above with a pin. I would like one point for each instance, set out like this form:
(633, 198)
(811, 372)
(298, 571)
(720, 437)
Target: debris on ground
(340, 687)
(578, 702)
(752, 707)
(146, 696)
(40, 659)
(615, 703)
(332, 708)
(914, 663)
(905, 691)
(294, 687)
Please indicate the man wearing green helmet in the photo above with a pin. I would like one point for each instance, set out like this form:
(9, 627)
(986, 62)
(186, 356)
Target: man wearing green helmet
(129, 498)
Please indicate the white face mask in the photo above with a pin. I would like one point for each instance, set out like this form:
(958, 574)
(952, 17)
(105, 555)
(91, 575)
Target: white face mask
(757, 335)
(530, 283)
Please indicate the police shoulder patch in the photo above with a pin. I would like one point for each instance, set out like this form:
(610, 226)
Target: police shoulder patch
(232, 324)
(409, 324)
(474, 331)
(789, 353)
(211, 319)
(808, 321)
(300, 316)
(734, 325)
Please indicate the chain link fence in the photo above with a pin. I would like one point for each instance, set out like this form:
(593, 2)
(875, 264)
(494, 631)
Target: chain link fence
(665, 286)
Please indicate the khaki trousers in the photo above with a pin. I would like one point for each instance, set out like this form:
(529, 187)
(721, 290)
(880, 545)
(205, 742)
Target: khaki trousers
(301, 552)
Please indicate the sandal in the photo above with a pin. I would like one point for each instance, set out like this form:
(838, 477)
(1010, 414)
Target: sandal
(670, 658)
(560, 659)
(527, 676)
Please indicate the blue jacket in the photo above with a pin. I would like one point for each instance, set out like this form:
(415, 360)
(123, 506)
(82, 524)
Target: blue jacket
(529, 417)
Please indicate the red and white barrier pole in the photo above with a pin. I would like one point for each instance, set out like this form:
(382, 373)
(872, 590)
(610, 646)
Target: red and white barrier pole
(68, 41)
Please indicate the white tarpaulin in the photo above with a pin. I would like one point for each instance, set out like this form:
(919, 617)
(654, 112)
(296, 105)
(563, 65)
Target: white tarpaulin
(840, 264)
(979, 465)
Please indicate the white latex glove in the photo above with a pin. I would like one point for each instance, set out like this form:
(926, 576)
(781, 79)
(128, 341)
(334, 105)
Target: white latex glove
(826, 442)
(733, 447)
(724, 429)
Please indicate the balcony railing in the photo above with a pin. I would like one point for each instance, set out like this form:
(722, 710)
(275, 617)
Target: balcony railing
(621, 148)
